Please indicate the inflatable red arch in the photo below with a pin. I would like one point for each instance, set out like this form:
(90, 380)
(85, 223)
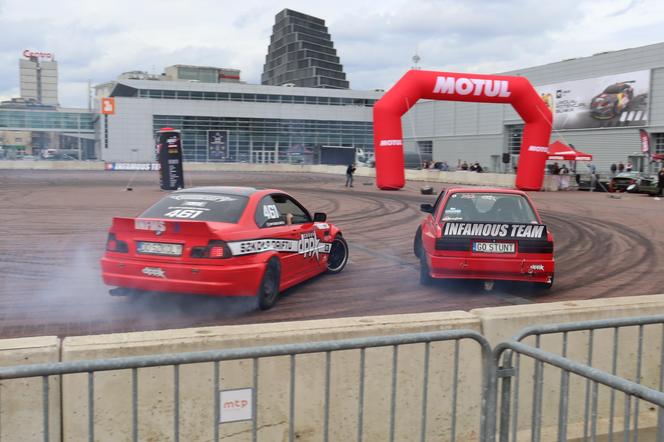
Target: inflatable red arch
(477, 88)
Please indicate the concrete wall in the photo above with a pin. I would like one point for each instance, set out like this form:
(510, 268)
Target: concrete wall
(21, 406)
(456, 177)
(21, 400)
(155, 392)
(501, 323)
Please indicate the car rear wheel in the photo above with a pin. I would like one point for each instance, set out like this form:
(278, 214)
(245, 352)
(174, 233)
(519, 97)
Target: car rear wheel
(338, 257)
(417, 242)
(425, 276)
(544, 286)
(268, 292)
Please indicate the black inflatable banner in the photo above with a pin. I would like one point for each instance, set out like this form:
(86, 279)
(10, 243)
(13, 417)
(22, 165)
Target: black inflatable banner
(169, 157)
(495, 230)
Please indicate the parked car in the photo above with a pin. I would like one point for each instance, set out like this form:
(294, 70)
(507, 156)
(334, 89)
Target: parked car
(635, 182)
(584, 182)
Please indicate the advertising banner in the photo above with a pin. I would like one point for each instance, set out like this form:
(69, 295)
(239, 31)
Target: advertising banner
(645, 141)
(217, 145)
(146, 167)
(609, 101)
(169, 157)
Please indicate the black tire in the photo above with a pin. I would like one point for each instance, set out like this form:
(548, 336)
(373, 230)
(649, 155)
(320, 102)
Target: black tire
(425, 277)
(544, 286)
(338, 256)
(417, 242)
(268, 292)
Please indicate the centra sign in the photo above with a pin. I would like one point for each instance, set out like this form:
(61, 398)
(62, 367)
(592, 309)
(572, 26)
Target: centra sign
(37, 54)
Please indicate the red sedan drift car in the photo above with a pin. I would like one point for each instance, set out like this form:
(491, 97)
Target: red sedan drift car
(485, 234)
(222, 241)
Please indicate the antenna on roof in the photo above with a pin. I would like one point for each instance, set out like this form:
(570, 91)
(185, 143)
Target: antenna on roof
(416, 61)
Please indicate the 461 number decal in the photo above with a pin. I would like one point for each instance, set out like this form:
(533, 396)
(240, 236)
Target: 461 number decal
(184, 213)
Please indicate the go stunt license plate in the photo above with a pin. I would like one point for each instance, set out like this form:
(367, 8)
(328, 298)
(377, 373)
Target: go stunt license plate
(158, 248)
(493, 247)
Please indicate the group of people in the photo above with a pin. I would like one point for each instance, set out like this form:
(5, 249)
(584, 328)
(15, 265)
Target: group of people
(439, 165)
(562, 172)
(475, 167)
(620, 167)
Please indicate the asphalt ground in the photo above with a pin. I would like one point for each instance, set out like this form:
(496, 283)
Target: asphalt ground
(53, 227)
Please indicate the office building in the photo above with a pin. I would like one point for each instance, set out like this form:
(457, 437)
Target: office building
(301, 53)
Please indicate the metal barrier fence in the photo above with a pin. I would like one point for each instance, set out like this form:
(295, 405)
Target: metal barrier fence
(256, 355)
(573, 367)
(511, 376)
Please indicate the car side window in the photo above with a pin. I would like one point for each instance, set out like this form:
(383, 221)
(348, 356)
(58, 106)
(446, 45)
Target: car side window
(290, 210)
(267, 214)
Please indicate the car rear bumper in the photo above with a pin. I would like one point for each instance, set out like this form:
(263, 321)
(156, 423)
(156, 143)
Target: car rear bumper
(226, 280)
(491, 268)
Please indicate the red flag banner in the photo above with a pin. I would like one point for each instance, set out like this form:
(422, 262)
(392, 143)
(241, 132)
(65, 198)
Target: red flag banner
(645, 141)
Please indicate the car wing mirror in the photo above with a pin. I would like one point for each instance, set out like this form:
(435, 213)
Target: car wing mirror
(426, 208)
(320, 217)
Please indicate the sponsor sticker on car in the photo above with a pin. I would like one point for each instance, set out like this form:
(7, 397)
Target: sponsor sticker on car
(495, 230)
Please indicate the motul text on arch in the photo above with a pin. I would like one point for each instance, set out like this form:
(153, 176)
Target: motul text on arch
(474, 86)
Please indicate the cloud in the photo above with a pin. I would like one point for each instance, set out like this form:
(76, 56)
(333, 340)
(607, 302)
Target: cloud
(374, 40)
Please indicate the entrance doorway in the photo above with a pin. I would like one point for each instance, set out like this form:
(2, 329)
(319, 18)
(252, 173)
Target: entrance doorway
(263, 156)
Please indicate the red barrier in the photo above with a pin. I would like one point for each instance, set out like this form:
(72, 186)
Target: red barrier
(517, 91)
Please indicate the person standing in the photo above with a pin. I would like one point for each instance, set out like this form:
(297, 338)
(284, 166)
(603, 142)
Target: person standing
(628, 168)
(621, 167)
(350, 170)
(660, 181)
(614, 168)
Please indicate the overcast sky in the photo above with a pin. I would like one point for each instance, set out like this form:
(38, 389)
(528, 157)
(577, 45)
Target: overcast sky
(375, 40)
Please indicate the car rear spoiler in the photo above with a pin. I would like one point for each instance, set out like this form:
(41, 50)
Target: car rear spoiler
(193, 228)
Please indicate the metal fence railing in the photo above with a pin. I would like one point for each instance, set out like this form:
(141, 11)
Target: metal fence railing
(397, 370)
(573, 391)
(581, 381)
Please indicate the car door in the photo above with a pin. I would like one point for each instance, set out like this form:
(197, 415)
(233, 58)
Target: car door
(309, 260)
(273, 225)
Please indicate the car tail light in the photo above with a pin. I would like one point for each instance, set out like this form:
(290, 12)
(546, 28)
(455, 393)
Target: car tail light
(536, 246)
(214, 250)
(115, 245)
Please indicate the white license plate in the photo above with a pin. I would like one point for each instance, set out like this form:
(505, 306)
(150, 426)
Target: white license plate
(493, 247)
(158, 248)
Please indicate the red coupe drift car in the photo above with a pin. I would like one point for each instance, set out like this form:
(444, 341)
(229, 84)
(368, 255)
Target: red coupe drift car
(485, 234)
(232, 241)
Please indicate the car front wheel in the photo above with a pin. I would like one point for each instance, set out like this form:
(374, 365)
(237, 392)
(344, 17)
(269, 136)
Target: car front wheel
(268, 292)
(425, 276)
(338, 257)
(417, 242)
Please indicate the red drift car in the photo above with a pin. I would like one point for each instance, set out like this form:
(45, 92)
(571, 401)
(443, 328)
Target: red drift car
(232, 241)
(486, 234)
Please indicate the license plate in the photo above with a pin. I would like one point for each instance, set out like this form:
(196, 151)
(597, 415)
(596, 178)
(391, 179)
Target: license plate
(158, 248)
(493, 247)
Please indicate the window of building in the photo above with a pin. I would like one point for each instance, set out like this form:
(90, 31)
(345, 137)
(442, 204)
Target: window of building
(514, 135)
(425, 148)
(658, 141)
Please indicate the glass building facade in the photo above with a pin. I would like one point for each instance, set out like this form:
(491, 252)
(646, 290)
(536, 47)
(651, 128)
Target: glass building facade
(262, 140)
(301, 52)
(17, 119)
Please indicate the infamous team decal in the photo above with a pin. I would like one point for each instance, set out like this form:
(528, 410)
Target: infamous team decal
(308, 245)
(515, 231)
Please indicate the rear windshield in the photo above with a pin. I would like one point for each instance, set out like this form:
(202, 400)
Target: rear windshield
(199, 207)
(488, 207)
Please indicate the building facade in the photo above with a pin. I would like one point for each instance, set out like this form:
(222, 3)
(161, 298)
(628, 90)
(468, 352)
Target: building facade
(233, 122)
(301, 53)
(599, 105)
(39, 77)
(27, 130)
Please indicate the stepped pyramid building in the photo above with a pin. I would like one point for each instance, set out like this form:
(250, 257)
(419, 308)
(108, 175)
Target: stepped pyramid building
(301, 53)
